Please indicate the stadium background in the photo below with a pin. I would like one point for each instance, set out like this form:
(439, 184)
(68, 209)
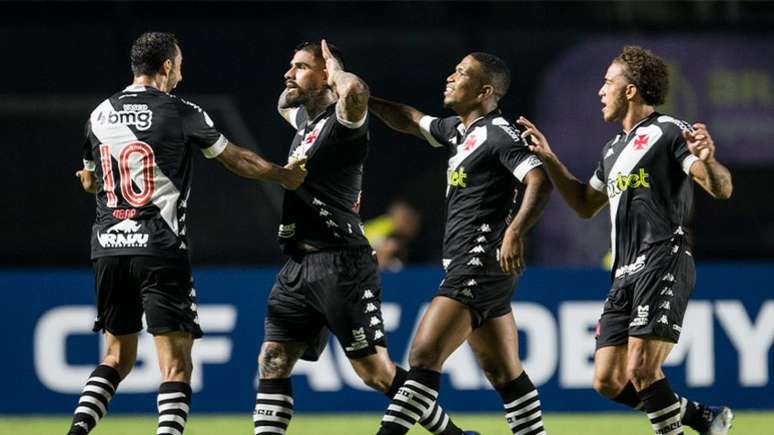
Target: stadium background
(61, 59)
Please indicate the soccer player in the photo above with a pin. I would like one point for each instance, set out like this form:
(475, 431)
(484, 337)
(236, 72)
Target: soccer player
(137, 159)
(644, 175)
(483, 244)
(331, 281)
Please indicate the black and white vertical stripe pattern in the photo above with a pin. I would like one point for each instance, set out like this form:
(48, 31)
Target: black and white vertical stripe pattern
(412, 402)
(666, 421)
(94, 400)
(272, 413)
(174, 402)
(524, 415)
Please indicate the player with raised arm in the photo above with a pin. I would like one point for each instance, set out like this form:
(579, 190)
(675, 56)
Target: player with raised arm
(137, 159)
(644, 175)
(331, 281)
(487, 219)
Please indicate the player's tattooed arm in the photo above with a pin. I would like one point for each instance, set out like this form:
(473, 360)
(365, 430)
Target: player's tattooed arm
(581, 197)
(537, 192)
(87, 179)
(352, 91)
(707, 172)
(397, 116)
(246, 163)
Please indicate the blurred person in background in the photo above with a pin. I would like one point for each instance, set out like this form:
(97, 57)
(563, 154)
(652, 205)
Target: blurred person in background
(137, 159)
(483, 247)
(645, 174)
(391, 234)
(331, 280)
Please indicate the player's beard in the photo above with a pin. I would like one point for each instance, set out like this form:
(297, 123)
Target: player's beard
(619, 108)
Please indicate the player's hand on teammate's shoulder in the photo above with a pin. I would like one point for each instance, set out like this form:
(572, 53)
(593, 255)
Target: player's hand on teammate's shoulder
(295, 174)
(87, 180)
(700, 142)
(512, 253)
(534, 138)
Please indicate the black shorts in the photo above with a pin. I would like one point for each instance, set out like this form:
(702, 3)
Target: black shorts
(652, 305)
(336, 290)
(162, 288)
(487, 296)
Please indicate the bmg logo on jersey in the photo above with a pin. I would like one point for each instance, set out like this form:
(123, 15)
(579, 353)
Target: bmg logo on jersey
(622, 182)
(136, 115)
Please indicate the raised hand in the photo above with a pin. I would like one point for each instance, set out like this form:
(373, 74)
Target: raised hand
(536, 141)
(700, 142)
(332, 65)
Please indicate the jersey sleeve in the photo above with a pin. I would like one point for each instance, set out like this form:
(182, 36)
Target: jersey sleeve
(516, 157)
(352, 125)
(88, 156)
(438, 131)
(680, 151)
(597, 178)
(200, 131)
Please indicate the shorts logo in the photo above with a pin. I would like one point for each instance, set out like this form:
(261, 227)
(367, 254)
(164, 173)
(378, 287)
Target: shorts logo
(475, 262)
(642, 316)
(677, 327)
(667, 291)
(664, 305)
(324, 212)
(629, 269)
(485, 228)
(481, 239)
(446, 263)
(374, 321)
(467, 293)
(123, 235)
(358, 340)
(370, 308)
(471, 283)
(378, 335)
(330, 223)
(663, 319)
(668, 277)
(368, 294)
(287, 230)
(478, 249)
(136, 115)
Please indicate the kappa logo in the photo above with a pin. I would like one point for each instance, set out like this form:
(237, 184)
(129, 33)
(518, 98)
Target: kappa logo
(476, 262)
(287, 230)
(641, 141)
(446, 262)
(481, 239)
(477, 250)
(330, 223)
(368, 294)
(370, 308)
(668, 277)
(663, 319)
(374, 321)
(378, 335)
(467, 293)
(471, 283)
(123, 235)
(324, 212)
(485, 228)
(667, 291)
(664, 305)
(609, 152)
(317, 202)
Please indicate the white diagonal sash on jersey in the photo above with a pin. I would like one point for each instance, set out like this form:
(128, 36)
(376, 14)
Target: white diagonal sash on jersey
(165, 194)
(624, 164)
(456, 160)
(302, 150)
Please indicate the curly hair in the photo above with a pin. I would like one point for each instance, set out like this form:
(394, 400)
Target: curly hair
(646, 71)
(150, 50)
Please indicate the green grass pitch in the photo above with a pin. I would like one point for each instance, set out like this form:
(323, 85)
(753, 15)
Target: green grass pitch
(746, 423)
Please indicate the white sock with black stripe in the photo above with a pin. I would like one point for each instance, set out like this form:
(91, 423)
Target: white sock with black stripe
(273, 406)
(663, 408)
(94, 400)
(413, 401)
(174, 402)
(436, 421)
(522, 406)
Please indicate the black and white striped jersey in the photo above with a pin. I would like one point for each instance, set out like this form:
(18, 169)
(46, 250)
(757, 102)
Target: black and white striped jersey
(645, 176)
(324, 212)
(139, 142)
(487, 163)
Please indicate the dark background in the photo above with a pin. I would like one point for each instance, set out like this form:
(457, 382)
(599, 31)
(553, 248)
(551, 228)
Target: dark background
(59, 60)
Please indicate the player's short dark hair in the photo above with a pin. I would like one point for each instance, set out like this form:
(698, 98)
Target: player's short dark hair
(150, 50)
(495, 71)
(316, 49)
(646, 71)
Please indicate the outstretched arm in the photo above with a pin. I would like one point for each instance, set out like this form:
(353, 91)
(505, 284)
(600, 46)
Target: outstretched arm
(706, 171)
(246, 163)
(353, 92)
(536, 194)
(397, 116)
(581, 197)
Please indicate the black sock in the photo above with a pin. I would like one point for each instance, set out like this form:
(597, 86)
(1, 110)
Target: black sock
(174, 403)
(695, 415)
(522, 406)
(273, 406)
(94, 400)
(663, 408)
(436, 421)
(629, 397)
(411, 402)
